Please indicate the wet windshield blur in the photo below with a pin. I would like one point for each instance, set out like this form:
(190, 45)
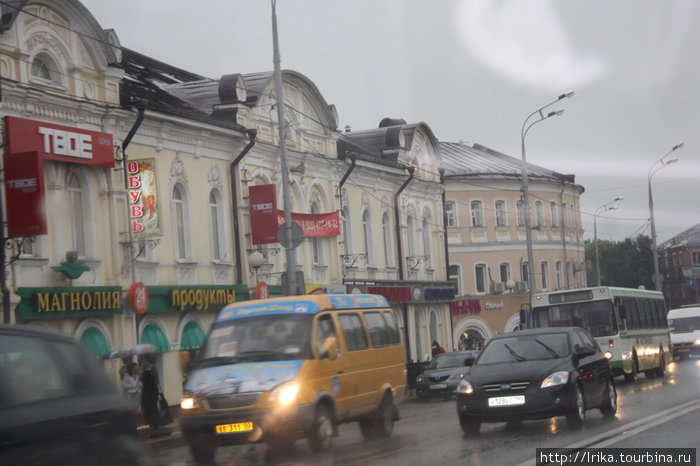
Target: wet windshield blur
(525, 348)
(260, 338)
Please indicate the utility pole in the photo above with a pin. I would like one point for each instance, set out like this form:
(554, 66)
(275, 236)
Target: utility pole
(291, 253)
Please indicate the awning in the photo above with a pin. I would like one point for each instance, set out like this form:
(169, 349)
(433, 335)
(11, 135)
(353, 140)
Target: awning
(192, 337)
(95, 342)
(153, 335)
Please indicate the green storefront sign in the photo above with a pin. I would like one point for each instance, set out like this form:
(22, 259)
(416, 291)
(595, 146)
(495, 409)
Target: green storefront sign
(51, 303)
(193, 298)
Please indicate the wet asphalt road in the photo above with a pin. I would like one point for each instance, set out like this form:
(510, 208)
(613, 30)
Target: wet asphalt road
(651, 413)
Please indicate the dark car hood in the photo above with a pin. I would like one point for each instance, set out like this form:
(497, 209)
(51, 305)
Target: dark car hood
(446, 371)
(517, 371)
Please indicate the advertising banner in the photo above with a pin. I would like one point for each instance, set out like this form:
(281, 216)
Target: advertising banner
(144, 215)
(263, 213)
(314, 225)
(56, 142)
(24, 189)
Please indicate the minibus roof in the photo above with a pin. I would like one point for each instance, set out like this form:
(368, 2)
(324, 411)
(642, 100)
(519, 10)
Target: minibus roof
(684, 312)
(306, 304)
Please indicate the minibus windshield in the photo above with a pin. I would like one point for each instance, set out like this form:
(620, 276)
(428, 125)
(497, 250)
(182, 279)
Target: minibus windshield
(259, 338)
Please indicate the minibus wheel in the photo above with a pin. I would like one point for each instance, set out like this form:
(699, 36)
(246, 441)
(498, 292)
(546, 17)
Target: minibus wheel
(321, 434)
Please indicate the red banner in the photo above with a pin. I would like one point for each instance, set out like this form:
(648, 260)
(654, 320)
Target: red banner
(56, 142)
(263, 213)
(24, 189)
(314, 225)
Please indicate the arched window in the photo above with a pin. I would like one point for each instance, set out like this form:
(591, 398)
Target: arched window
(501, 214)
(481, 278)
(76, 201)
(44, 68)
(426, 241)
(317, 243)
(539, 214)
(477, 213)
(386, 233)
(545, 275)
(180, 222)
(216, 219)
(504, 271)
(367, 233)
(554, 214)
(520, 212)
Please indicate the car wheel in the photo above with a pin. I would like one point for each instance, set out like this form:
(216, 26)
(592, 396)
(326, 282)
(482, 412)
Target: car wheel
(203, 450)
(577, 414)
(632, 376)
(381, 424)
(469, 425)
(609, 407)
(321, 434)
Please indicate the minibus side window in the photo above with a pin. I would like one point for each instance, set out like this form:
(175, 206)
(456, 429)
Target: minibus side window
(354, 332)
(324, 329)
(393, 328)
(377, 330)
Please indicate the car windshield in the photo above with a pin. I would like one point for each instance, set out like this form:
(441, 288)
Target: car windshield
(595, 316)
(259, 338)
(525, 348)
(684, 324)
(446, 360)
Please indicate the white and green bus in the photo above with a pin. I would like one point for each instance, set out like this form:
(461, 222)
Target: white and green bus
(630, 325)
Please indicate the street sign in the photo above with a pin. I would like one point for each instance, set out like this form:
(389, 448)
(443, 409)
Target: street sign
(297, 236)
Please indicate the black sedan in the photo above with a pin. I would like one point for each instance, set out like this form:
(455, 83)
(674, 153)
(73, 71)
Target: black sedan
(536, 374)
(57, 405)
(442, 375)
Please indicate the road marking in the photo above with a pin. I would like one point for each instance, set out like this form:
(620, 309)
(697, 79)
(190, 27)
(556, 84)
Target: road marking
(640, 425)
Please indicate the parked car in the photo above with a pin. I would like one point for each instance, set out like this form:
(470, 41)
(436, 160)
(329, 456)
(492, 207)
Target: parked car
(57, 405)
(442, 375)
(537, 374)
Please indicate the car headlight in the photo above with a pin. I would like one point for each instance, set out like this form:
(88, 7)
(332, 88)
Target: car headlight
(420, 379)
(188, 403)
(697, 342)
(464, 387)
(608, 355)
(558, 378)
(457, 376)
(285, 393)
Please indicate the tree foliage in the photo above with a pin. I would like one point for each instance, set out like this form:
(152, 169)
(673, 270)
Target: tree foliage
(628, 263)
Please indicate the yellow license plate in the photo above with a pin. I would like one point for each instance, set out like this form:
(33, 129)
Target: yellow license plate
(234, 428)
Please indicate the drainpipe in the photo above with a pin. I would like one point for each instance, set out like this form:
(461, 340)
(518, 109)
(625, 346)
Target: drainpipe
(234, 196)
(342, 181)
(411, 171)
(563, 238)
(447, 254)
(125, 144)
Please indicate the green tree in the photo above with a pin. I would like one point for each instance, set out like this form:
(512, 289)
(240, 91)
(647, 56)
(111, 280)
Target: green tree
(627, 263)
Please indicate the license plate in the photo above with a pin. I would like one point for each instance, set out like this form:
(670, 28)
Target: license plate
(234, 428)
(438, 386)
(515, 400)
(683, 350)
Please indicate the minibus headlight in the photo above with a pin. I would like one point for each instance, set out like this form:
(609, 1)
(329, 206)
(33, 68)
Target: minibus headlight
(697, 342)
(285, 393)
(558, 378)
(188, 403)
(464, 387)
(608, 355)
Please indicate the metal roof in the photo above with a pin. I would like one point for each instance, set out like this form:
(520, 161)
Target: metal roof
(689, 238)
(462, 161)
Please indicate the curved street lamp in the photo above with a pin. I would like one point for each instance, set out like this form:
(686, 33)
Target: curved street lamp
(527, 124)
(605, 207)
(652, 170)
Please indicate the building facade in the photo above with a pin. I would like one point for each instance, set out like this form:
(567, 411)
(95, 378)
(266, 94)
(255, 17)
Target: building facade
(487, 240)
(680, 266)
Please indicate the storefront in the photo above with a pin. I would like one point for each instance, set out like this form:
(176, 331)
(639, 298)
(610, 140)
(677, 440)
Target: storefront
(476, 319)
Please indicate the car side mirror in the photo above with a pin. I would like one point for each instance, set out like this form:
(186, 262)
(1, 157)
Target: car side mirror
(583, 351)
(469, 361)
(329, 349)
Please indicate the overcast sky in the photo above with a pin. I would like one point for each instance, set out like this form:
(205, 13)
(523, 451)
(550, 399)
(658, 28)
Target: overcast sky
(473, 70)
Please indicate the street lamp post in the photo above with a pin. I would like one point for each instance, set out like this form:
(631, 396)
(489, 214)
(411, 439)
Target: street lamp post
(652, 170)
(605, 208)
(527, 124)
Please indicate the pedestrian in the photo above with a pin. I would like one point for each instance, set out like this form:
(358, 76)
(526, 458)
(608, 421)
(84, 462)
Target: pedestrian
(125, 365)
(150, 391)
(131, 384)
(437, 349)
